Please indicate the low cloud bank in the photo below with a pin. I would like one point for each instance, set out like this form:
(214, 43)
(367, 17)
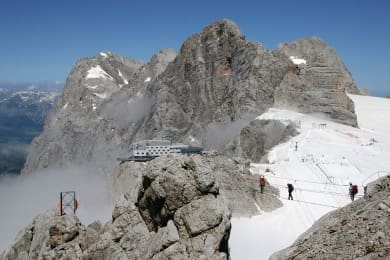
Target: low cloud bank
(23, 197)
(123, 111)
(218, 136)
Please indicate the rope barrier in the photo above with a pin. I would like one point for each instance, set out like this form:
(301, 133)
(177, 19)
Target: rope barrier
(298, 180)
(316, 191)
(314, 203)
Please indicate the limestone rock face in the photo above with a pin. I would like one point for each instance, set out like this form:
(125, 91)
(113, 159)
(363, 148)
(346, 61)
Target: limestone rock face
(218, 80)
(256, 139)
(236, 187)
(49, 234)
(320, 84)
(217, 77)
(324, 66)
(95, 118)
(360, 230)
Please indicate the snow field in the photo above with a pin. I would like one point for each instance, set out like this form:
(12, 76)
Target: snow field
(320, 162)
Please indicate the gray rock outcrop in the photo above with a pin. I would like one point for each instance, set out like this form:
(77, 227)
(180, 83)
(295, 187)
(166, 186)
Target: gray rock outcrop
(360, 230)
(320, 84)
(256, 139)
(238, 188)
(95, 118)
(48, 236)
(218, 77)
(174, 207)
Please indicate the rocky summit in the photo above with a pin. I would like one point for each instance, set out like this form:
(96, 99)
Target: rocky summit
(318, 67)
(360, 230)
(203, 95)
(174, 207)
(97, 113)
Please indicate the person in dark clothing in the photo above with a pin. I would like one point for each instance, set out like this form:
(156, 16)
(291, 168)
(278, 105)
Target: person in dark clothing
(290, 188)
(353, 189)
(262, 183)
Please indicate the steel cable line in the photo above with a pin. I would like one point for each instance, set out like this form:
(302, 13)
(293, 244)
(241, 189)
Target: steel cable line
(283, 198)
(298, 180)
(316, 191)
(311, 190)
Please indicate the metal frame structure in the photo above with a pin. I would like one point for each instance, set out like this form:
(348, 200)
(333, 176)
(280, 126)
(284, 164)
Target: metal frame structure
(68, 201)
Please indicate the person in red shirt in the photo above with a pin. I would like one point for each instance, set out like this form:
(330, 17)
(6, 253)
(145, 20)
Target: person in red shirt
(262, 183)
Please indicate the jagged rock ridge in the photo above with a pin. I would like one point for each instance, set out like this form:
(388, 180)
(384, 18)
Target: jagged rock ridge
(216, 80)
(322, 71)
(97, 113)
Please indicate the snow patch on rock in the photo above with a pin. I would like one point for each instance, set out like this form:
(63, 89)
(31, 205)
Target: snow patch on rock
(92, 87)
(297, 60)
(101, 95)
(148, 79)
(97, 72)
(124, 79)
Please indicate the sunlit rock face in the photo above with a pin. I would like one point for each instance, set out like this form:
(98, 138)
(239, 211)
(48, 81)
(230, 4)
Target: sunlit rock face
(203, 95)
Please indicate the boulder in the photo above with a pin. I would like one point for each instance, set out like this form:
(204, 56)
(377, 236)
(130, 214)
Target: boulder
(260, 136)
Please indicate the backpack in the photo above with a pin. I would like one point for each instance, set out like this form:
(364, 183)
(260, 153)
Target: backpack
(262, 181)
(290, 187)
(354, 189)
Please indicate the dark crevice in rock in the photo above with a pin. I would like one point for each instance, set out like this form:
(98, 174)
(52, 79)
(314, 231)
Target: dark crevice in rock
(152, 207)
(224, 244)
(117, 240)
(32, 234)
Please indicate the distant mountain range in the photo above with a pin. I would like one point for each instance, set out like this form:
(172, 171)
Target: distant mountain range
(22, 115)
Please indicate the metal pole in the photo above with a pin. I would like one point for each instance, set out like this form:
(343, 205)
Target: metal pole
(74, 203)
(61, 203)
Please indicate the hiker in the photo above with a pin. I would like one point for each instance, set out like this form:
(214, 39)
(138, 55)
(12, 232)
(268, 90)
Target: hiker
(290, 188)
(262, 183)
(353, 190)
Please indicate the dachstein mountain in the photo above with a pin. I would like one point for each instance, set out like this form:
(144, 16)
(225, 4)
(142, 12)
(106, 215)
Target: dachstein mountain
(203, 95)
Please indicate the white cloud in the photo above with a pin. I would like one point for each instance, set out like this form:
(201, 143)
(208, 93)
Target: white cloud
(23, 197)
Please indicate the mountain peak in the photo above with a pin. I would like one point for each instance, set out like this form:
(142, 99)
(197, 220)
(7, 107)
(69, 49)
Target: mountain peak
(223, 27)
(216, 79)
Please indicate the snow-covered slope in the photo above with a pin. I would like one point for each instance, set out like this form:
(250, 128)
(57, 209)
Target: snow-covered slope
(319, 162)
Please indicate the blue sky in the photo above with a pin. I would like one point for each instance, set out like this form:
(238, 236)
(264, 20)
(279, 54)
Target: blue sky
(42, 40)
